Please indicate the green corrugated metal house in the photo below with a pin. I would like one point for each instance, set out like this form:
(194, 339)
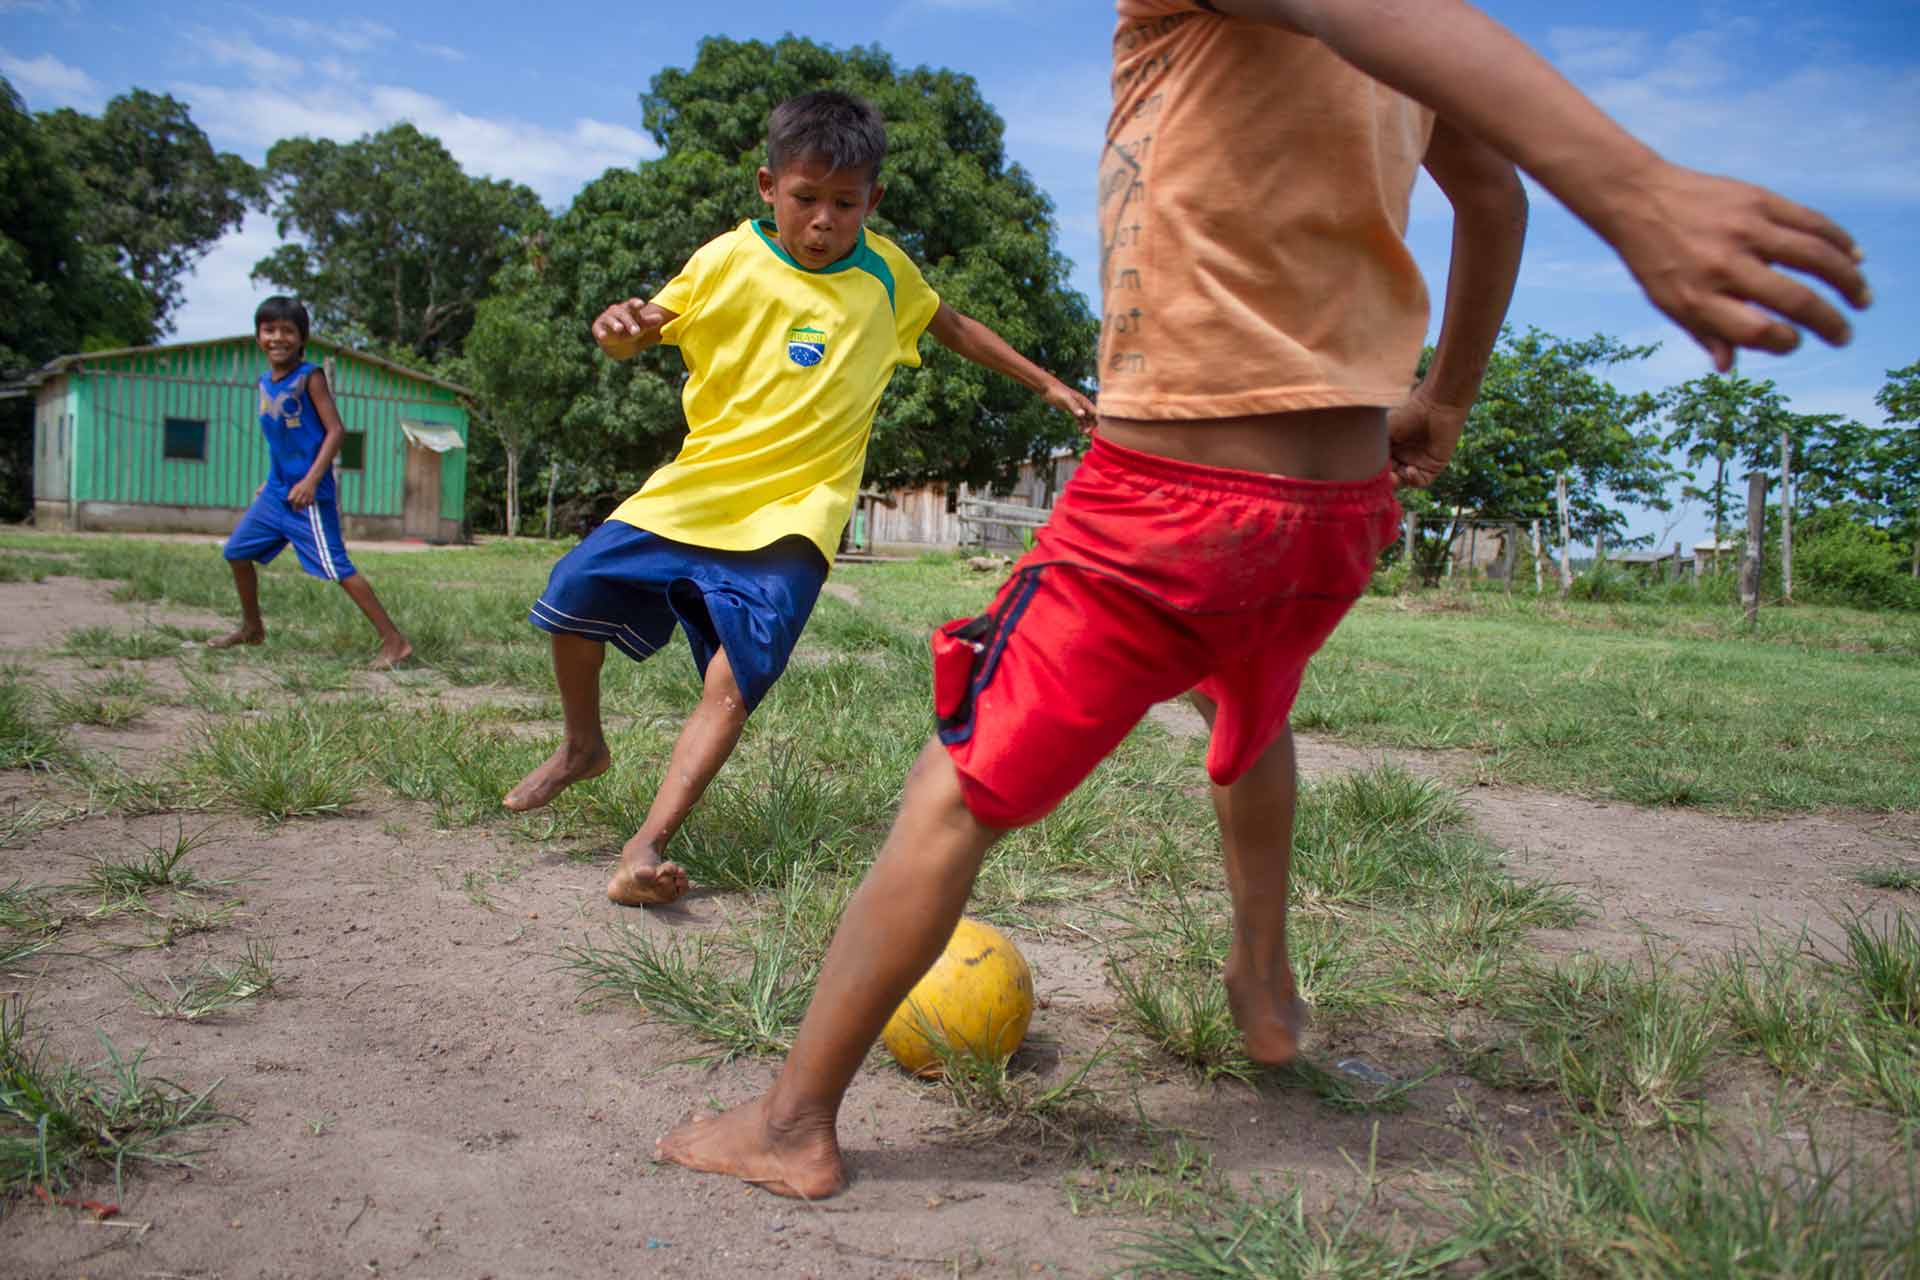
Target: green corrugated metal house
(169, 438)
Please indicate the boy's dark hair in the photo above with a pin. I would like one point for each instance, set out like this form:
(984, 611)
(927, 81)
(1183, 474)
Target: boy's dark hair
(281, 307)
(840, 128)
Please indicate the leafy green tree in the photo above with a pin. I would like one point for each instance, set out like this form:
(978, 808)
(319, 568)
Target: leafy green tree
(58, 294)
(524, 373)
(978, 226)
(1546, 410)
(1898, 461)
(153, 189)
(1729, 419)
(396, 245)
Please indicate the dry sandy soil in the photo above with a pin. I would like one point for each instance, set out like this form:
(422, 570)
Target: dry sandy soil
(423, 1095)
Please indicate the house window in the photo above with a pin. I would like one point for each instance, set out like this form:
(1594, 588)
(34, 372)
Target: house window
(186, 440)
(353, 451)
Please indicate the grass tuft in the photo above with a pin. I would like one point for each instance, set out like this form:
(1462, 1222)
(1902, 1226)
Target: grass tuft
(702, 988)
(214, 988)
(60, 1123)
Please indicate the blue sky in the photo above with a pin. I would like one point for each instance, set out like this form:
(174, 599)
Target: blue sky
(1821, 103)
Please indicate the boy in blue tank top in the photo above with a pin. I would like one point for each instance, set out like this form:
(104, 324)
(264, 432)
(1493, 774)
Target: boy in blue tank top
(296, 504)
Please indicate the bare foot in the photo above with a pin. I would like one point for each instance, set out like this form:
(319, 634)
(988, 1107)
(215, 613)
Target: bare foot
(643, 880)
(802, 1164)
(242, 635)
(1271, 1018)
(392, 654)
(561, 770)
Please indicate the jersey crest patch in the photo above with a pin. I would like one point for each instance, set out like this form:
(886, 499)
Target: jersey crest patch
(806, 346)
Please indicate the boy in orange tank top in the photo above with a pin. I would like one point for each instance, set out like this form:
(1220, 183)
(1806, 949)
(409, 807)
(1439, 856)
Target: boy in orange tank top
(1262, 323)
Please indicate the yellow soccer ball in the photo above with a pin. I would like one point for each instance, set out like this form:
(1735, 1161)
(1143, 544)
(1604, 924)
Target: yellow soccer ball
(978, 998)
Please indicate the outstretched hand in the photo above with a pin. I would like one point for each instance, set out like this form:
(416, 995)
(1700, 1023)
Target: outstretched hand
(1707, 250)
(1067, 400)
(1421, 437)
(627, 328)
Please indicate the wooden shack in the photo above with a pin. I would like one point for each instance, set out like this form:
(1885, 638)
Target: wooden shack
(168, 438)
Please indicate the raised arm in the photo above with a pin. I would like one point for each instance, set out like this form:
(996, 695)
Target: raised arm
(625, 329)
(965, 336)
(1489, 230)
(1704, 248)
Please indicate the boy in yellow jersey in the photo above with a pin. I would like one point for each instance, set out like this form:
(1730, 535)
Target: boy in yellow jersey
(790, 328)
(1263, 320)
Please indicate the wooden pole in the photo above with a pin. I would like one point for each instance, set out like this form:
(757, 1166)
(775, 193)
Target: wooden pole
(1566, 554)
(1679, 549)
(1509, 551)
(1539, 583)
(1410, 521)
(1750, 563)
(1786, 518)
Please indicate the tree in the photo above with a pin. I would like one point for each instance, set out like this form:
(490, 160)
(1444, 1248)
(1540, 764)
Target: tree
(1898, 461)
(1728, 418)
(523, 372)
(977, 226)
(397, 245)
(58, 294)
(1543, 412)
(153, 189)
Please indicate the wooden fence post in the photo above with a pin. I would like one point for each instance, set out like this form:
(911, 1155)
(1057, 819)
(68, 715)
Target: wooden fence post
(1409, 523)
(1509, 551)
(1750, 563)
(1539, 570)
(1566, 561)
(1679, 548)
(1786, 519)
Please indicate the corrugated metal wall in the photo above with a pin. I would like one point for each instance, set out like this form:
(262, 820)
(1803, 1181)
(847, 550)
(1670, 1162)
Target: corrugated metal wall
(124, 402)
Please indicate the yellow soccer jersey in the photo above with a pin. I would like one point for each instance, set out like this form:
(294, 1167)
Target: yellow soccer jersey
(785, 367)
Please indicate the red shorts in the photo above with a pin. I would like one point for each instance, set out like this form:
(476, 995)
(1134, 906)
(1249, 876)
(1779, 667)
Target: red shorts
(1153, 577)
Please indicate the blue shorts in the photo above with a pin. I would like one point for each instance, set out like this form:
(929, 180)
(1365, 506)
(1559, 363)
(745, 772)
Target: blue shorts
(629, 587)
(314, 531)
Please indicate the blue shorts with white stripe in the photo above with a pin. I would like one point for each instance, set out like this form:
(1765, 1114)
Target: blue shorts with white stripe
(314, 530)
(629, 588)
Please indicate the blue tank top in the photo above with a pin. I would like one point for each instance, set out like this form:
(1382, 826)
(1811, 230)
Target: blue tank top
(293, 431)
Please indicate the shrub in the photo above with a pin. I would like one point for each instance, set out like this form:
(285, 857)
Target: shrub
(1845, 562)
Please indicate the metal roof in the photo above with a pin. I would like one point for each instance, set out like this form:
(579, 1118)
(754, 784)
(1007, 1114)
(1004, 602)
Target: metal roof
(61, 364)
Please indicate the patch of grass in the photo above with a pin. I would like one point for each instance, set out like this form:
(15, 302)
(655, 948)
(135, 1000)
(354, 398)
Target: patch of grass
(1603, 1210)
(156, 867)
(1621, 1044)
(111, 703)
(25, 741)
(60, 1123)
(105, 642)
(1178, 1178)
(1880, 964)
(1892, 876)
(756, 827)
(998, 1097)
(1277, 1239)
(213, 989)
(1617, 695)
(291, 764)
(1344, 1089)
(743, 1006)
(29, 909)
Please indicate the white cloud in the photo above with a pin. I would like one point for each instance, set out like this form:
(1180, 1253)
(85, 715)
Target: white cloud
(256, 60)
(46, 82)
(446, 51)
(1594, 51)
(1821, 130)
(219, 297)
(354, 35)
(554, 162)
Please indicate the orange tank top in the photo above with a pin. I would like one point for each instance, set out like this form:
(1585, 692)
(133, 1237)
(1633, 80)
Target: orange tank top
(1254, 194)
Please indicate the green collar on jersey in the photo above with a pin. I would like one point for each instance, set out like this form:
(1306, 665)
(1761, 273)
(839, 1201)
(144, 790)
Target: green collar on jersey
(863, 258)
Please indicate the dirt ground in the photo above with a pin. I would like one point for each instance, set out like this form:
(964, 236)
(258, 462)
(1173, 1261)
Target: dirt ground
(423, 1095)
